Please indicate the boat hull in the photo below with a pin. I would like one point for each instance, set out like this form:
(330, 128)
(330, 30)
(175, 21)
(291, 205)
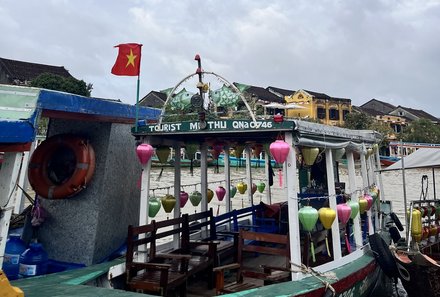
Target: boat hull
(388, 160)
(419, 274)
(357, 278)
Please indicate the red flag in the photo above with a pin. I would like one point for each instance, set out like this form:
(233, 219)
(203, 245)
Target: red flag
(128, 61)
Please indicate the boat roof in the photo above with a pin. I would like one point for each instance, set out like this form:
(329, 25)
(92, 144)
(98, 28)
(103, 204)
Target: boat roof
(422, 158)
(258, 131)
(21, 107)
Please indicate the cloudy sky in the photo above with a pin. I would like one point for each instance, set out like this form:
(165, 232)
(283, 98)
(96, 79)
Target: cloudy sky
(389, 50)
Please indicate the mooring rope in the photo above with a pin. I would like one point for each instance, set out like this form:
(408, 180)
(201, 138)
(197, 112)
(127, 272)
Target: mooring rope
(309, 270)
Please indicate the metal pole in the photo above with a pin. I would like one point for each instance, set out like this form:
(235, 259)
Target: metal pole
(404, 189)
(433, 182)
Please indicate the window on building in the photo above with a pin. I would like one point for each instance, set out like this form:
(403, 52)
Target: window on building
(344, 113)
(320, 113)
(334, 114)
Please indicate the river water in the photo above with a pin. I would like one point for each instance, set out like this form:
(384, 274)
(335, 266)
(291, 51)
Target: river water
(392, 188)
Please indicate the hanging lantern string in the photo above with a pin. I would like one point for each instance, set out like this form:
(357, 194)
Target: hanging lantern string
(196, 184)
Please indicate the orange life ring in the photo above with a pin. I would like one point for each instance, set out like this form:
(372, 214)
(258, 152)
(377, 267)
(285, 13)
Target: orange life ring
(61, 166)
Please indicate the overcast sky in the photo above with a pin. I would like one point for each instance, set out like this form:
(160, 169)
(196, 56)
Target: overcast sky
(389, 50)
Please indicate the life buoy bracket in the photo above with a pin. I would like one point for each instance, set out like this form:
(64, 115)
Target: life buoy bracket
(61, 166)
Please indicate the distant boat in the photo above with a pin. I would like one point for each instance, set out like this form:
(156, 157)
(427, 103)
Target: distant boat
(388, 160)
(241, 162)
(398, 149)
(183, 162)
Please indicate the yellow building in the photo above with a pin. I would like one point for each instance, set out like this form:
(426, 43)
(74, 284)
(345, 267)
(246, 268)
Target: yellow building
(318, 106)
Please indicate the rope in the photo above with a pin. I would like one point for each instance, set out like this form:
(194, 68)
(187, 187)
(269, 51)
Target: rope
(308, 270)
(424, 192)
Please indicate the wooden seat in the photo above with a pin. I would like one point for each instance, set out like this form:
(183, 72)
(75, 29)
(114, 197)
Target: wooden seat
(150, 275)
(267, 271)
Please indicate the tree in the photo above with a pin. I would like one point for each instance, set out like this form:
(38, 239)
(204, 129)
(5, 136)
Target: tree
(421, 130)
(358, 121)
(59, 83)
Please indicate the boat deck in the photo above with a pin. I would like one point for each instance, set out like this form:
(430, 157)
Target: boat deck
(74, 282)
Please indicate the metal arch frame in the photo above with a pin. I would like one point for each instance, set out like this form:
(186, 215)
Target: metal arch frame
(216, 75)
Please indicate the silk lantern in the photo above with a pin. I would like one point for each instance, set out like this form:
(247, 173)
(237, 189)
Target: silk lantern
(363, 205)
(163, 153)
(260, 187)
(168, 203)
(354, 208)
(369, 201)
(183, 198)
(309, 155)
(253, 188)
(257, 150)
(308, 216)
(220, 192)
(327, 217)
(195, 198)
(241, 187)
(344, 213)
(153, 207)
(279, 150)
(209, 195)
(144, 152)
(232, 191)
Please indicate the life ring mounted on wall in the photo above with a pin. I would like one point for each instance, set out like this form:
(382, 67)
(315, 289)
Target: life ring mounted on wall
(61, 166)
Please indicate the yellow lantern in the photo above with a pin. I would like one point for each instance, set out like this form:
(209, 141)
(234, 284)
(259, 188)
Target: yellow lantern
(241, 187)
(309, 155)
(209, 195)
(327, 217)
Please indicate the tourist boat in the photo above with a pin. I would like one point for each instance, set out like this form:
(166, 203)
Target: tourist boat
(347, 266)
(323, 261)
(241, 162)
(417, 258)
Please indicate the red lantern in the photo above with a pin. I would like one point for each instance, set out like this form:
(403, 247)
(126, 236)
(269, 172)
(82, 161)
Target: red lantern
(369, 201)
(279, 150)
(183, 197)
(144, 152)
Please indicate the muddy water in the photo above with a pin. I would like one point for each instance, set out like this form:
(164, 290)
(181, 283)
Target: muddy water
(392, 188)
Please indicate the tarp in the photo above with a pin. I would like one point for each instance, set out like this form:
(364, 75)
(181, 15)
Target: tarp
(422, 158)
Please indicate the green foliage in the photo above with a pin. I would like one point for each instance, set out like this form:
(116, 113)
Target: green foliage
(421, 130)
(59, 83)
(358, 121)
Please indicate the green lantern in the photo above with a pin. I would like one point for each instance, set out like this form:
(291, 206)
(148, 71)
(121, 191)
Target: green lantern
(233, 191)
(354, 208)
(260, 187)
(153, 207)
(308, 216)
(163, 153)
(195, 198)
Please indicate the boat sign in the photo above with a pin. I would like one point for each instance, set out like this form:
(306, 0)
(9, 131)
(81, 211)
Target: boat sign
(216, 125)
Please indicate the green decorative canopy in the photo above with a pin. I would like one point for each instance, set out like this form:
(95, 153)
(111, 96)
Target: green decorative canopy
(224, 97)
(181, 100)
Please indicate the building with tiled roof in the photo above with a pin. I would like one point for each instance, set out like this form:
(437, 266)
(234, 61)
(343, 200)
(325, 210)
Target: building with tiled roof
(378, 106)
(14, 72)
(413, 114)
(153, 99)
(319, 106)
(279, 91)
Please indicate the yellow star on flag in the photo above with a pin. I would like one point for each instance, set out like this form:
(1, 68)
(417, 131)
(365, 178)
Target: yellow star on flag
(130, 59)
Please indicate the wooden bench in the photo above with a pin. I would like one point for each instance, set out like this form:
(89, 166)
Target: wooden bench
(203, 226)
(266, 246)
(167, 269)
(152, 275)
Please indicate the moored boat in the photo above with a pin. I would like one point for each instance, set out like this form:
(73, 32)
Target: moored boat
(343, 266)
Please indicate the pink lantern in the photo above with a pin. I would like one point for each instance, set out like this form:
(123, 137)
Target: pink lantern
(344, 212)
(220, 192)
(144, 152)
(369, 200)
(183, 197)
(279, 150)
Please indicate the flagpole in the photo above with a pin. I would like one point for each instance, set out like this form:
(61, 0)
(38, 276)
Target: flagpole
(137, 104)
